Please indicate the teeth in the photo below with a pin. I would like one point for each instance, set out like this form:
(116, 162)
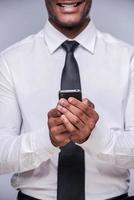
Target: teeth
(69, 5)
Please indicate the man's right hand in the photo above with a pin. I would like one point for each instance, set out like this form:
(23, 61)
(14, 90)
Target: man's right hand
(58, 133)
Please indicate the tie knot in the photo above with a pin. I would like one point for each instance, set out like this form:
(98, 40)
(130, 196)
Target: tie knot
(70, 46)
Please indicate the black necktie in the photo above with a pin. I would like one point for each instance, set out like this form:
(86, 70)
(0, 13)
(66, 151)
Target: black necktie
(70, 78)
(71, 164)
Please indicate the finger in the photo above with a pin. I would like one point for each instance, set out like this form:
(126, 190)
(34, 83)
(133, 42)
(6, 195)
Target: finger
(54, 113)
(76, 121)
(69, 126)
(88, 110)
(79, 117)
(54, 121)
(92, 123)
(79, 138)
(63, 139)
(78, 108)
(76, 138)
(60, 140)
(57, 130)
(82, 106)
(73, 102)
(88, 102)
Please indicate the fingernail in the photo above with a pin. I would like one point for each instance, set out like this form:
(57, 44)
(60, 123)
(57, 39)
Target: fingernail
(63, 102)
(59, 107)
(71, 99)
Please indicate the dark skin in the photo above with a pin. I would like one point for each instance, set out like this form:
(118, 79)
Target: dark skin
(69, 22)
(70, 120)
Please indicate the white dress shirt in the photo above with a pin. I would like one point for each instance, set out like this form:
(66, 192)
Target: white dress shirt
(30, 73)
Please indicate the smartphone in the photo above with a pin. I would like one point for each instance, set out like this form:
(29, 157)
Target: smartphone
(70, 93)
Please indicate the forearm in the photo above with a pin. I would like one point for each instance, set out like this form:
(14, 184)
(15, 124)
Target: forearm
(115, 146)
(25, 152)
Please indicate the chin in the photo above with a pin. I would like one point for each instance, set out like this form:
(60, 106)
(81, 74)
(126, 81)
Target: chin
(69, 23)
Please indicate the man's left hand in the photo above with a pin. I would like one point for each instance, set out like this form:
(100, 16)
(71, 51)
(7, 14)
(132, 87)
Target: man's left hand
(79, 118)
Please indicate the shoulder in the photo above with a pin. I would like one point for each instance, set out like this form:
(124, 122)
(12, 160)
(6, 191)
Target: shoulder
(112, 42)
(22, 47)
(115, 49)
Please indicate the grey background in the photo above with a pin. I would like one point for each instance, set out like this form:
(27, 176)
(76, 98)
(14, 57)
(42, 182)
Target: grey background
(20, 18)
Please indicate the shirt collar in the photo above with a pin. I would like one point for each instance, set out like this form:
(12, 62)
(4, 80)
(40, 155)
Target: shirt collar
(54, 38)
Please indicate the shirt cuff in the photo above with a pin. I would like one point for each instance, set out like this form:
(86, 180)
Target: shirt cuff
(41, 143)
(99, 140)
(36, 147)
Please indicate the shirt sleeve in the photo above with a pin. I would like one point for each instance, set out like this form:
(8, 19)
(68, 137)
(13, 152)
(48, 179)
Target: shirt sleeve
(114, 145)
(18, 152)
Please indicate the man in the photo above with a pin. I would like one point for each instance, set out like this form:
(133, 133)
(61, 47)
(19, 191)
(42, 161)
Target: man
(35, 126)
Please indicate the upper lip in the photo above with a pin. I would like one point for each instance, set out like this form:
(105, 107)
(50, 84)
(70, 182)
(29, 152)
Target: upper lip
(69, 2)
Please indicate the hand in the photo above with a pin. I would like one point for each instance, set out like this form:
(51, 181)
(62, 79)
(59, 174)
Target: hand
(78, 117)
(58, 133)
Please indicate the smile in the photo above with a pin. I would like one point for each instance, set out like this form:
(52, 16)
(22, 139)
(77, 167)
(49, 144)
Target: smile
(69, 4)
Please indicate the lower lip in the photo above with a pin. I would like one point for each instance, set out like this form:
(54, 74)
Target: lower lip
(71, 9)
